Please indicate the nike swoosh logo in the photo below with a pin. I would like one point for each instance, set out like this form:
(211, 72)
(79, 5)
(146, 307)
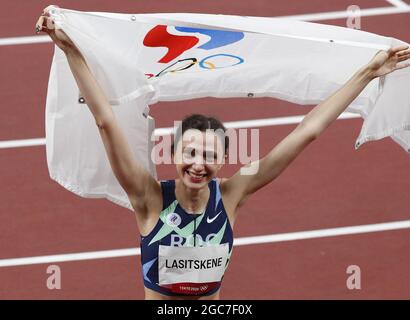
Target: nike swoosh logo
(212, 220)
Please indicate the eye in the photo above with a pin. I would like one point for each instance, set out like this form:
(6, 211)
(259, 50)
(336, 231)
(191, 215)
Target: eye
(189, 152)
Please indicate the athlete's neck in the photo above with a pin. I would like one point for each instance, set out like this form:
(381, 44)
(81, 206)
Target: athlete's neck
(192, 200)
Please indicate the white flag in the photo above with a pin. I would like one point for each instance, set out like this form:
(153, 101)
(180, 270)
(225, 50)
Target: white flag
(144, 58)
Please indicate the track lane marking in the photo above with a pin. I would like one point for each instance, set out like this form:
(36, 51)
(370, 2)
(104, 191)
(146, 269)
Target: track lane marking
(397, 8)
(22, 143)
(272, 238)
(398, 3)
(256, 123)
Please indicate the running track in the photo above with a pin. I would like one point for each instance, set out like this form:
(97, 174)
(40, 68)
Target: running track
(329, 186)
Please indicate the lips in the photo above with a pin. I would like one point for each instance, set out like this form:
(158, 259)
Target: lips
(195, 177)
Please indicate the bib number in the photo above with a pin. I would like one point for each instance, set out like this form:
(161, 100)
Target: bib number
(192, 269)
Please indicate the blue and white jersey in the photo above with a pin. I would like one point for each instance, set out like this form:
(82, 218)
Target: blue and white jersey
(187, 254)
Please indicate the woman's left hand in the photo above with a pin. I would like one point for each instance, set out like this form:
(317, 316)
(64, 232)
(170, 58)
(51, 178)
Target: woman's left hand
(385, 62)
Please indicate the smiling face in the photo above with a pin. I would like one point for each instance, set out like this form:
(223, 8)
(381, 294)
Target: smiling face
(198, 157)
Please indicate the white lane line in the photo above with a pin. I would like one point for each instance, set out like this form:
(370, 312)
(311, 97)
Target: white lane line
(257, 123)
(398, 3)
(22, 143)
(399, 7)
(302, 235)
(345, 14)
(322, 233)
(24, 40)
(70, 257)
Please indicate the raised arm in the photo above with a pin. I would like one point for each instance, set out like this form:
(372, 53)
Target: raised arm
(139, 185)
(314, 123)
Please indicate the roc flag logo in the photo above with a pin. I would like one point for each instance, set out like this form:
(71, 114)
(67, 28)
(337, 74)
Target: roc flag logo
(178, 44)
(173, 219)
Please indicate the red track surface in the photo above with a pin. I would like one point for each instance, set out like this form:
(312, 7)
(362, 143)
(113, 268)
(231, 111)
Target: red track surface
(329, 185)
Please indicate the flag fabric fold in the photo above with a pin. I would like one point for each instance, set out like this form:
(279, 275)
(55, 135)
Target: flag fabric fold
(140, 59)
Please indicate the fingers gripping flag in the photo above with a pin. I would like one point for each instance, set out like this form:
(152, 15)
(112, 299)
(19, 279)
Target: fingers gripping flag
(141, 59)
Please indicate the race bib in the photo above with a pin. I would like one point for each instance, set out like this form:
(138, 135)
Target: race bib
(183, 267)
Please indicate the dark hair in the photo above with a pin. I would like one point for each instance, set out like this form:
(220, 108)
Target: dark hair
(201, 123)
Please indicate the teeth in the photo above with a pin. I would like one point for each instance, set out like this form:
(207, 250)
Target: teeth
(195, 175)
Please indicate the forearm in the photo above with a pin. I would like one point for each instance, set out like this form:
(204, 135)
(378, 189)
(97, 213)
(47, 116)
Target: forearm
(317, 120)
(88, 86)
(326, 112)
(131, 175)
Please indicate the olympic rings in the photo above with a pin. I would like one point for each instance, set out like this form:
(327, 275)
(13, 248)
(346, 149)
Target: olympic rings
(182, 64)
(203, 61)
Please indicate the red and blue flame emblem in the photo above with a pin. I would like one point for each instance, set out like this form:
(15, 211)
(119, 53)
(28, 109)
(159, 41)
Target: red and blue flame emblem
(178, 44)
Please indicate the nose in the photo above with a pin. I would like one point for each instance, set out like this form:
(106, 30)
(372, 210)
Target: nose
(198, 164)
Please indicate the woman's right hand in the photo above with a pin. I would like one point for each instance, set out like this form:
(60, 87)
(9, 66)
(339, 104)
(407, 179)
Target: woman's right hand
(46, 24)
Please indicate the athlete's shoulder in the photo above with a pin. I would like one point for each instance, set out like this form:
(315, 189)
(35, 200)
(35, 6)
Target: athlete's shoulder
(224, 184)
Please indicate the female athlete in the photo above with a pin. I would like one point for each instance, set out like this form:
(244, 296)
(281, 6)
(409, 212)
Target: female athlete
(186, 224)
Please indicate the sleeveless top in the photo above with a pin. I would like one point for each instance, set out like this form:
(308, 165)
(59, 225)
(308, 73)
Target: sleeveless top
(187, 254)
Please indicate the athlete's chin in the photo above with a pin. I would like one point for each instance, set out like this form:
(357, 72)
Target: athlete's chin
(195, 185)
